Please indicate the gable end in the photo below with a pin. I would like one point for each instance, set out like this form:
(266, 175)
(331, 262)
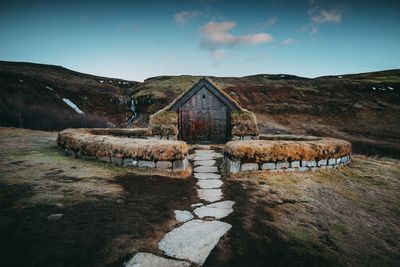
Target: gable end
(218, 93)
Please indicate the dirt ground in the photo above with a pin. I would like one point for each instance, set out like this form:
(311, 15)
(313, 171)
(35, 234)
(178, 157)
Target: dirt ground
(344, 217)
(61, 211)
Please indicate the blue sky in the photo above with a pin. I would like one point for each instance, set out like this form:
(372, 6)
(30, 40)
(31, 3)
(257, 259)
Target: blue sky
(136, 40)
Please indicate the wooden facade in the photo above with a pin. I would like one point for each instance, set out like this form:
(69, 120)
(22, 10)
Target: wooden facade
(204, 114)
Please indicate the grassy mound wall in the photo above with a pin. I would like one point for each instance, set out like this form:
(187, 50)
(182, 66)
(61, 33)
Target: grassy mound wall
(123, 132)
(164, 123)
(270, 151)
(85, 142)
(244, 123)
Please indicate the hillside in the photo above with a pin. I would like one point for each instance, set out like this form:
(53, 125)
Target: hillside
(36, 88)
(363, 108)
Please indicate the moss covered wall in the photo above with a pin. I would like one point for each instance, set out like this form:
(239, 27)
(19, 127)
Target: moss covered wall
(164, 125)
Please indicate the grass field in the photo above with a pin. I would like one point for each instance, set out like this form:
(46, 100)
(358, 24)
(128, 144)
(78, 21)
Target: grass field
(62, 211)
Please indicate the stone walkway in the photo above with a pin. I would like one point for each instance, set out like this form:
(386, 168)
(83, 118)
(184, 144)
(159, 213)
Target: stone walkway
(192, 241)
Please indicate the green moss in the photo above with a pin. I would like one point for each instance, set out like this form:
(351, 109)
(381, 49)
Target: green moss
(244, 115)
(164, 123)
(337, 229)
(301, 233)
(164, 118)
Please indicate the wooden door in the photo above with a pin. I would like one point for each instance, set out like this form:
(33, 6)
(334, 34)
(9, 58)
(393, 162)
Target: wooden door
(204, 119)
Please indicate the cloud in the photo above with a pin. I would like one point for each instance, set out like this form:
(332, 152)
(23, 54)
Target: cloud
(331, 16)
(319, 16)
(288, 41)
(216, 34)
(269, 22)
(184, 17)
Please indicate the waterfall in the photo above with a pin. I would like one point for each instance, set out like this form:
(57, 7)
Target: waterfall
(135, 114)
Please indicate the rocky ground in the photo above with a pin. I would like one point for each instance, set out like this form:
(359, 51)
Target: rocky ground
(61, 211)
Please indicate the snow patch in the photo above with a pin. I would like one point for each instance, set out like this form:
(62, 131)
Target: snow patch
(48, 87)
(21, 81)
(72, 105)
(340, 77)
(101, 81)
(390, 88)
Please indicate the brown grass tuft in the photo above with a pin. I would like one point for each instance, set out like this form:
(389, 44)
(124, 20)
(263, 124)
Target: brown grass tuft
(164, 123)
(267, 151)
(88, 144)
(244, 123)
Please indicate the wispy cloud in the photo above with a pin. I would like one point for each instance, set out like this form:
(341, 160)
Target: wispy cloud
(184, 17)
(319, 16)
(269, 22)
(217, 34)
(289, 41)
(327, 16)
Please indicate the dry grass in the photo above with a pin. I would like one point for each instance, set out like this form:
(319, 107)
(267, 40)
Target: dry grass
(351, 213)
(265, 151)
(244, 123)
(124, 132)
(164, 123)
(88, 144)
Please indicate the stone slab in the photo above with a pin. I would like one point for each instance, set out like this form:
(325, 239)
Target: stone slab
(142, 259)
(249, 167)
(204, 163)
(183, 215)
(209, 184)
(130, 162)
(180, 165)
(331, 161)
(205, 156)
(206, 169)
(282, 165)
(210, 195)
(194, 240)
(322, 162)
(217, 210)
(233, 166)
(146, 164)
(207, 175)
(311, 163)
(268, 166)
(164, 164)
(295, 164)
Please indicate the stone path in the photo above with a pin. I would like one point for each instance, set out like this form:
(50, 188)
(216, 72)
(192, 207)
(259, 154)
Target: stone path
(200, 232)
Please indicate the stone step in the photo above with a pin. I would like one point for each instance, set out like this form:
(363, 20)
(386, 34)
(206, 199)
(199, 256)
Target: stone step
(148, 259)
(217, 210)
(209, 183)
(212, 169)
(183, 215)
(204, 162)
(210, 195)
(207, 175)
(194, 240)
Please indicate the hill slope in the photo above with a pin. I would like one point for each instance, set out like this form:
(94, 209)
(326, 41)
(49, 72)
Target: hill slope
(35, 87)
(363, 108)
